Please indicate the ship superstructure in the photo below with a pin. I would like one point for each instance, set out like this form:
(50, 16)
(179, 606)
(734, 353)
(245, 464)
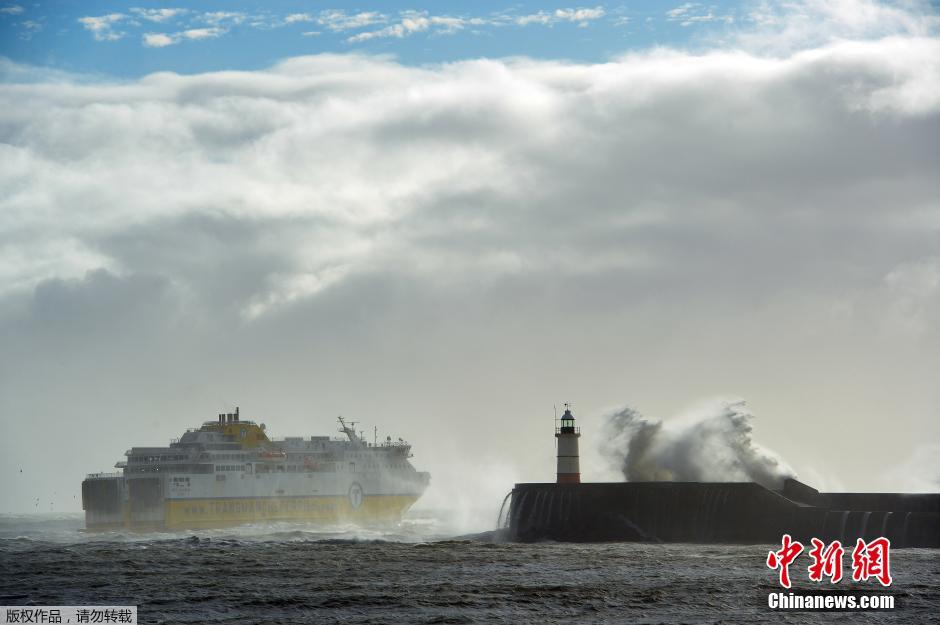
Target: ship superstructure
(228, 471)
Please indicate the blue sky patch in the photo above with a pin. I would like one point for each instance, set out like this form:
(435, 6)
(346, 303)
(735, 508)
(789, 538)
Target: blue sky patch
(136, 38)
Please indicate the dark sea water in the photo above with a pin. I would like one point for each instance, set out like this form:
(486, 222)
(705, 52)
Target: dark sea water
(414, 573)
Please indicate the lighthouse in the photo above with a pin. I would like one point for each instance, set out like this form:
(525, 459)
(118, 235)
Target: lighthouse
(569, 468)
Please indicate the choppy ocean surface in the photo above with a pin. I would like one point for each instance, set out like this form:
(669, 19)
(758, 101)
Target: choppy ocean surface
(415, 572)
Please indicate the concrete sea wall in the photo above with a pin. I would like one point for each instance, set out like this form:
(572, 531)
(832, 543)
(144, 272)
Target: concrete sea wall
(717, 513)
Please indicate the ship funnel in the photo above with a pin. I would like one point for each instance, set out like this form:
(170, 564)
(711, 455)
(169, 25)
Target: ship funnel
(236, 413)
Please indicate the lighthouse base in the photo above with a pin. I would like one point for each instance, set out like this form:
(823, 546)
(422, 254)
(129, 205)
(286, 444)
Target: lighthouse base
(697, 512)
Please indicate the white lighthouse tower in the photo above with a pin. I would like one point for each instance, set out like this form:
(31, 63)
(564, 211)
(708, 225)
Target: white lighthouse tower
(569, 467)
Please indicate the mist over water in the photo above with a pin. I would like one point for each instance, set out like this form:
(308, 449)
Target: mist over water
(920, 473)
(464, 496)
(711, 444)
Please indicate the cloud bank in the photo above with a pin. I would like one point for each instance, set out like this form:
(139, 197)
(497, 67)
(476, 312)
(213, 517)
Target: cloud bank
(495, 158)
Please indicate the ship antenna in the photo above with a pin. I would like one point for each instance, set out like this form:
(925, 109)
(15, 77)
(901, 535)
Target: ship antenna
(555, 409)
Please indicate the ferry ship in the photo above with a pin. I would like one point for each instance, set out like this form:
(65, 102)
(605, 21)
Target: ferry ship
(228, 472)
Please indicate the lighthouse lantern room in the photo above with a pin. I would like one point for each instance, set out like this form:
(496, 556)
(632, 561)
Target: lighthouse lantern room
(569, 468)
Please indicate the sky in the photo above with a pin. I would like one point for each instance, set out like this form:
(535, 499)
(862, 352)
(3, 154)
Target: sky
(445, 222)
(141, 38)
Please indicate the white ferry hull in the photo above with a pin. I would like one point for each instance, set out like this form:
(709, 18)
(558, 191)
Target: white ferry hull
(229, 472)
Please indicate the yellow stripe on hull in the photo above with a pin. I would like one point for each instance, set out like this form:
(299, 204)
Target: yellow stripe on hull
(206, 513)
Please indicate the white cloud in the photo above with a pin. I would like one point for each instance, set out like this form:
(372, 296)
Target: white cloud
(407, 26)
(218, 18)
(157, 15)
(102, 26)
(681, 11)
(534, 18)
(414, 22)
(286, 289)
(582, 15)
(338, 20)
(295, 18)
(57, 257)
(693, 13)
(13, 9)
(781, 29)
(30, 28)
(203, 33)
(161, 40)
(694, 19)
(218, 22)
(448, 24)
